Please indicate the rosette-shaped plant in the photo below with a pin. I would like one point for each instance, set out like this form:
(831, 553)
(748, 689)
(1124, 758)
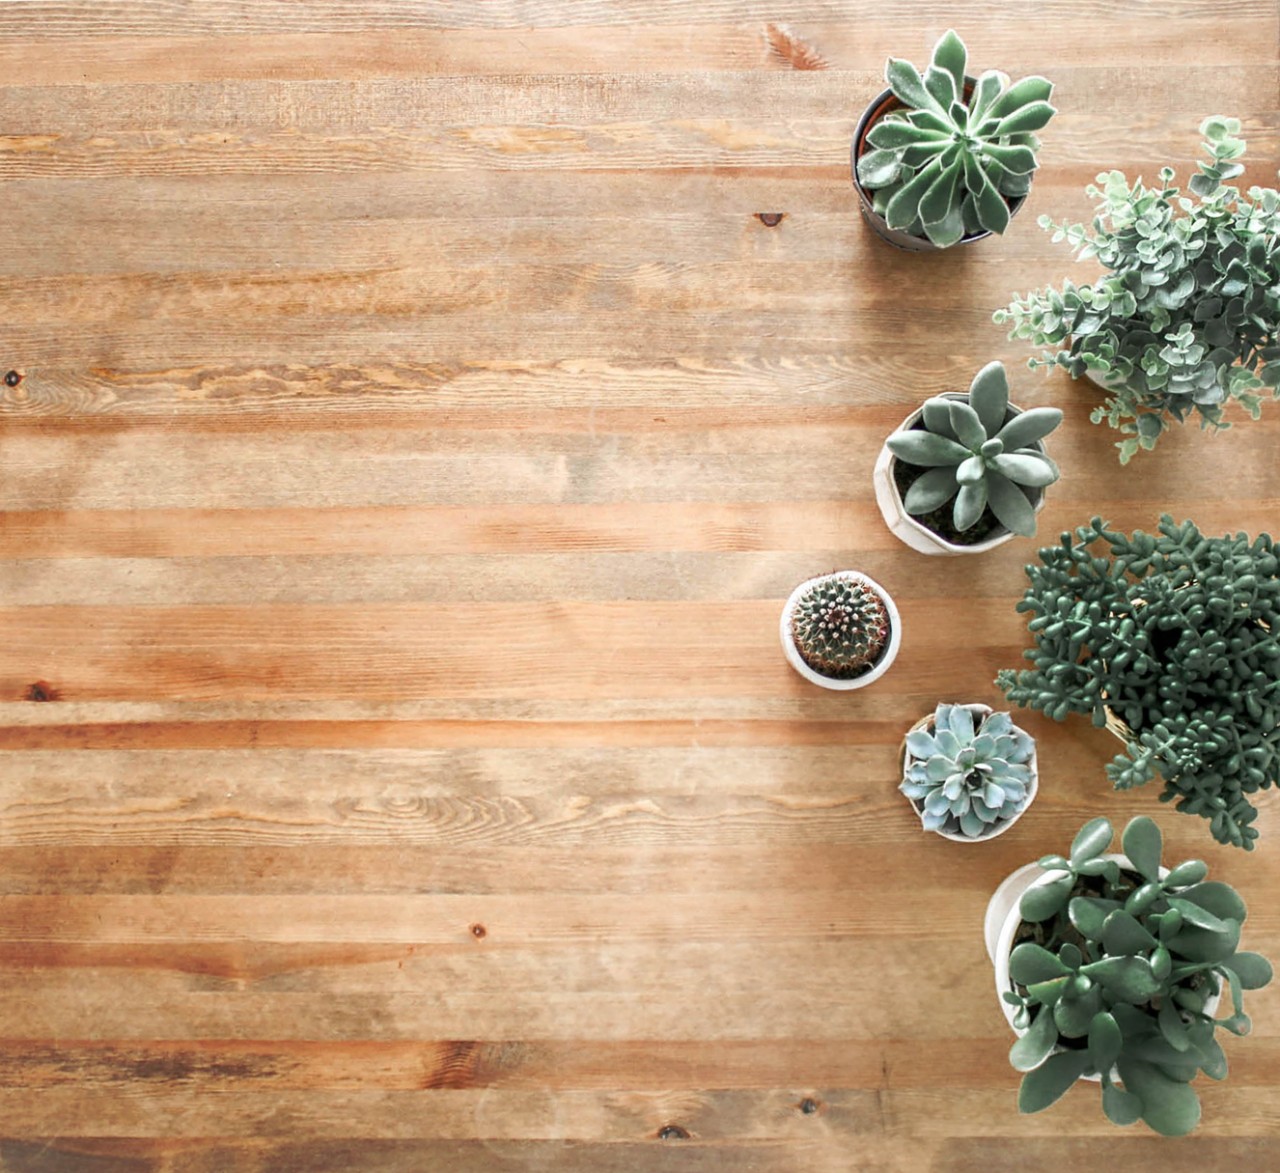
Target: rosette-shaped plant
(948, 164)
(966, 776)
(974, 456)
(1114, 971)
(840, 626)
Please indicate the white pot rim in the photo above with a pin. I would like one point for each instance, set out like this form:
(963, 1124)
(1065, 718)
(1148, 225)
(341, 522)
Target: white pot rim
(1003, 917)
(878, 669)
(905, 527)
(995, 829)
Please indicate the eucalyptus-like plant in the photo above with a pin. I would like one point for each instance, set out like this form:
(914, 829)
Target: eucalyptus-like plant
(947, 165)
(1187, 318)
(976, 457)
(1172, 641)
(1114, 972)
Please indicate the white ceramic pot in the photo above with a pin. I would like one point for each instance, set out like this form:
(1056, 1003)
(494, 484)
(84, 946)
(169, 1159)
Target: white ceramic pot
(1003, 918)
(980, 712)
(878, 669)
(905, 527)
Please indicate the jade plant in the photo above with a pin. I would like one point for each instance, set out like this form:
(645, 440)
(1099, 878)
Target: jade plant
(840, 626)
(948, 163)
(1171, 641)
(977, 457)
(1187, 317)
(1115, 972)
(967, 777)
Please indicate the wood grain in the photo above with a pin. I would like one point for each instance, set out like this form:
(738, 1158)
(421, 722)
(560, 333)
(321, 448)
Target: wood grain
(419, 411)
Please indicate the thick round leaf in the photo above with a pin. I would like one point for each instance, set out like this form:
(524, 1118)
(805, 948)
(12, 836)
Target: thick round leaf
(1124, 936)
(1049, 1082)
(1072, 1015)
(931, 490)
(1121, 1107)
(1088, 916)
(947, 231)
(926, 449)
(1218, 898)
(1142, 844)
(971, 471)
(1193, 914)
(1172, 1028)
(1169, 1107)
(1046, 900)
(941, 86)
(936, 413)
(1034, 116)
(1033, 471)
(894, 133)
(1029, 426)
(971, 500)
(1204, 944)
(1253, 970)
(1190, 872)
(989, 396)
(950, 54)
(1030, 963)
(1127, 979)
(1033, 1048)
(1105, 1041)
(967, 425)
(1016, 160)
(1010, 505)
(1021, 93)
(1091, 840)
(908, 86)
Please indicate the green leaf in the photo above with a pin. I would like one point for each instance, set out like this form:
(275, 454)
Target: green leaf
(1034, 116)
(1120, 1106)
(1030, 963)
(1169, 1106)
(937, 416)
(1142, 844)
(1029, 1051)
(941, 196)
(1021, 93)
(967, 425)
(903, 210)
(950, 54)
(1073, 1015)
(931, 490)
(1010, 505)
(1024, 469)
(941, 86)
(1196, 944)
(895, 133)
(993, 212)
(1124, 936)
(908, 86)
(1089, 915)
(926, 449)
(1015, 160)
(1045, 900)
(1218, 898)
(989, 396)
(1091, 841)
(1253, 969)
(948, 230)
(1172, 1028)
(1028, 426)
(1049, 1082)
(1193, 914)
(1105, 1041)
(971, 500)
(1127, 979)
(878, 169)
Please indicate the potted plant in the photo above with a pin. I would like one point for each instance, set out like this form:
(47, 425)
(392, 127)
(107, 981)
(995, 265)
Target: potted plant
(969, 773)
(963, 473)
(1110, 968)
(944, 158)
(1187, 317)
(840, 630)
(1169, 640)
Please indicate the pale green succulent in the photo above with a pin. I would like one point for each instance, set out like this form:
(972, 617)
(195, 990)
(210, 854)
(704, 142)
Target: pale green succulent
(978, 456)
(947, 165)
(965, 777)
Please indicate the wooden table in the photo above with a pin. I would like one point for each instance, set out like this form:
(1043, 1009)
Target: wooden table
(424, 409)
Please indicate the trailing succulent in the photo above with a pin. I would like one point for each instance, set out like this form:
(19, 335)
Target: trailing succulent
(974, 456)
(946, 166)
(840, 625)
(966, 778)
(1115, 974)
(1188, 316)
(1171, 640)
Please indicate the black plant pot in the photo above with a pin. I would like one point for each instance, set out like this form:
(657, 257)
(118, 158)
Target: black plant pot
(885, 104)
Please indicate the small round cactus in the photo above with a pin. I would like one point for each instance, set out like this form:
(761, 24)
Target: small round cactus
(840, 626)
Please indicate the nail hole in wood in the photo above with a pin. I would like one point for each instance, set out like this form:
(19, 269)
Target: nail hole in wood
(771, 219)
(808, 1106)
(41, 690)
(12, 379)
(673, 1132)
(479, 932)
